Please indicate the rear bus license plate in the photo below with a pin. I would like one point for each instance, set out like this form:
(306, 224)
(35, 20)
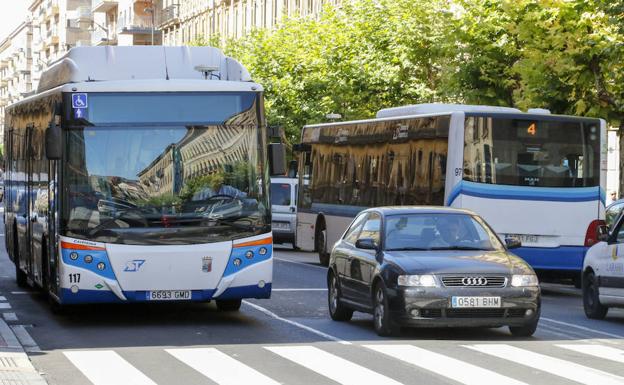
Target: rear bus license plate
(168, 295)
(458, 302)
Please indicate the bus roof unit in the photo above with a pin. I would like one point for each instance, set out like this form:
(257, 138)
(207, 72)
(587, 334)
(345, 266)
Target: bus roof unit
(93, 64)
(432, 108)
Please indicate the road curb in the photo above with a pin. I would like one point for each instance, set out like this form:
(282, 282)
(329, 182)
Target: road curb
(15, 366)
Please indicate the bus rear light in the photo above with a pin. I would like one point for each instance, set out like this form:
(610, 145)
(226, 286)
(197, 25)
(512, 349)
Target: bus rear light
(591, 237)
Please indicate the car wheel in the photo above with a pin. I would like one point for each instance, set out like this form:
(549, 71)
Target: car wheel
(384, 325)
(229, 304)
(591, 300)
(321, 245)
(337, 311)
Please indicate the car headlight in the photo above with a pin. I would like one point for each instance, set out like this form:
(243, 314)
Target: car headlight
(520, 280)
(426, 280)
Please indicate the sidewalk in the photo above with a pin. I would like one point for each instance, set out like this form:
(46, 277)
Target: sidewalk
(15, 366)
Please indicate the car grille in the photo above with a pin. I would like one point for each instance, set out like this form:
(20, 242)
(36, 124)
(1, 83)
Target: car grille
(474, 281)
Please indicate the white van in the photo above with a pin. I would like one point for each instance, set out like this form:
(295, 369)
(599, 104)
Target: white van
(284, 209)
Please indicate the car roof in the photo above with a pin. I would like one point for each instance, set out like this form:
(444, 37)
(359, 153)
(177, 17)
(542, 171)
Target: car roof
(404, 210)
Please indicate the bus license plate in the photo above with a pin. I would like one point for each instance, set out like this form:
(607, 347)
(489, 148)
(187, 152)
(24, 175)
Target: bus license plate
(475, 302)
(168, 295)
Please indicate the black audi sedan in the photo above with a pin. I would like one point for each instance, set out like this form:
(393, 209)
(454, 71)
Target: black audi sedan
(430, 267)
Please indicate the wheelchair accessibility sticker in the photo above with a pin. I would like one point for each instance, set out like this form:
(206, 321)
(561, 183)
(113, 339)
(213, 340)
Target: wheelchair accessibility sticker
(79, 100)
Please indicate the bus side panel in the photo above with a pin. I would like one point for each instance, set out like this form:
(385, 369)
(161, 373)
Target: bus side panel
(305, 230)
(604, 148)
(455, 160)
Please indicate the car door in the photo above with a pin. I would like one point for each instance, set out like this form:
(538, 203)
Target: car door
(344, 252)
(610, 265)
(362, 265)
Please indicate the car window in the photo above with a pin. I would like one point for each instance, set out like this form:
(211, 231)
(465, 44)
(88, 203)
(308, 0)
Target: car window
(371, 228)
(612, 213)
(353, 231)
(430, 231)
(280, 194)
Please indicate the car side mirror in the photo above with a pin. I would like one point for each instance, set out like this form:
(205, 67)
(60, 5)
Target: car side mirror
(603, 233)
(277, 159)
(366, 244)
(513, 243)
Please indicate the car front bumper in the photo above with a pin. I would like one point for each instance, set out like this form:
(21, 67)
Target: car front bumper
(431, 307)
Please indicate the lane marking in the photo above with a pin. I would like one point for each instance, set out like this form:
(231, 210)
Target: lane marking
(301, 289)
(2, 298)
(28, 343)
(582, 328)
(606, 352)
(331, 366)
(297, 324)
(220, 367)
(300, 263)
(20, 292)
(105, 367)
(444, 366)
(9, 317)
(556, 366)
(556, 332)
(5, 305)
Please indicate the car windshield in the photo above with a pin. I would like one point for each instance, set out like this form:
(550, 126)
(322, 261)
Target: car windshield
(439, 232)
(280, 194)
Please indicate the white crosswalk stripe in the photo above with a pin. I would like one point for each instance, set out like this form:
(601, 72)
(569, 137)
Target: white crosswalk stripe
(569, 370)
(442, 365)
(600, 351)
(220, 367)
(331, 366)
(105, 367)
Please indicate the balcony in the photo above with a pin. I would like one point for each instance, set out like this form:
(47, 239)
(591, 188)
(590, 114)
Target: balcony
(51, 10)
(169, 16)
(103, 5)
(101, 37)
(138, 25)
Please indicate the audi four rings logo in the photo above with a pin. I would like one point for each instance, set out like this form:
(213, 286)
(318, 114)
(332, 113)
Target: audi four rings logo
(474, 281)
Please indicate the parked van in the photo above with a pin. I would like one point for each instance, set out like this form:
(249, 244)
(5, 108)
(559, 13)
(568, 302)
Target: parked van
(284, 209)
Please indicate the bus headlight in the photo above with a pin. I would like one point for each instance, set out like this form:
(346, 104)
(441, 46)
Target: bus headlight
(523, 280)
(426, 280)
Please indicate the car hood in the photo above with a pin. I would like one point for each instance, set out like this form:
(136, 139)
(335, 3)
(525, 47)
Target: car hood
(458, 262)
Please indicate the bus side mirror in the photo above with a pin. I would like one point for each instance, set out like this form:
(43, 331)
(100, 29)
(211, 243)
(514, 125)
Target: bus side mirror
(292, 169)
(603, 233)
(277, 159)
(53, 141)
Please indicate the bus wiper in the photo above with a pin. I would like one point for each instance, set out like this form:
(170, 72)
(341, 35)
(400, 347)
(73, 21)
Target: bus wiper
(117, 215)
(233, 223)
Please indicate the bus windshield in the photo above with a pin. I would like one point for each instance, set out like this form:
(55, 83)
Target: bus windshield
(164, 184)
(524, 152)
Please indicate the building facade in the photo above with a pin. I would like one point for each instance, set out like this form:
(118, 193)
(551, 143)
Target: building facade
(186, 21)
(57, 25)
(125, 22)
(15, 67)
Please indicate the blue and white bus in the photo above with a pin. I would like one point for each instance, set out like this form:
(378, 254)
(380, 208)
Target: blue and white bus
(141, 174)
(534, 175)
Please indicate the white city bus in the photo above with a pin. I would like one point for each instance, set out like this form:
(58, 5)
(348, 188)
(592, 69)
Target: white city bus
(534, 175)
(140, 174)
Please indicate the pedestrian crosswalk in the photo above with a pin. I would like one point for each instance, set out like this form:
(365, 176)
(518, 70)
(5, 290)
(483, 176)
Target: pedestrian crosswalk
(395, 363)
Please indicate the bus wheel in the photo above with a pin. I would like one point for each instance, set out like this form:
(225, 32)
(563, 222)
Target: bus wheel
(321, 245)
(229, 304)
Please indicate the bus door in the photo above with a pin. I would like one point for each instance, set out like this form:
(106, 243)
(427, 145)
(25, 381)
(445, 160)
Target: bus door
(29, 201)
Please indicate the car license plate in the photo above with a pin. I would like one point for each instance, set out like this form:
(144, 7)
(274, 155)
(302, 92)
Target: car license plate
(475, 302)
(281, 225)
(168, 295)
(525, 238)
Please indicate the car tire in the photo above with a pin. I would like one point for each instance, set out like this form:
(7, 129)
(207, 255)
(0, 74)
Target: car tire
(591, 300)
(382, 320)
(337, 311)
(229, 304)
(321, 245)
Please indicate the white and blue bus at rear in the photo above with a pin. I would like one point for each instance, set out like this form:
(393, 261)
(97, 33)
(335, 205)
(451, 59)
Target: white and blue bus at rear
(141, 174)
(536, 176)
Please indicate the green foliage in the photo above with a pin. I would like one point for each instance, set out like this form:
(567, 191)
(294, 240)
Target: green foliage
(565, 55)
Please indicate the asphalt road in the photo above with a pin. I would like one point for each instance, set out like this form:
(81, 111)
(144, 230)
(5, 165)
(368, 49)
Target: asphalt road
(290, 339)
